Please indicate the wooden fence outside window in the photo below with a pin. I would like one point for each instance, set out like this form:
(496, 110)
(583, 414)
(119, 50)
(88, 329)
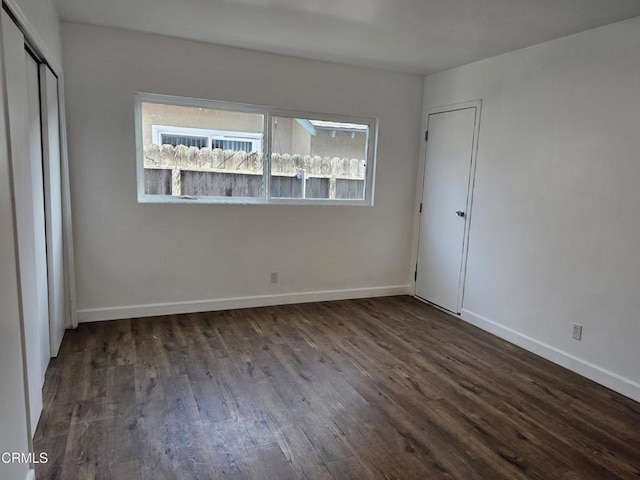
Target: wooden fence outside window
(192, 171)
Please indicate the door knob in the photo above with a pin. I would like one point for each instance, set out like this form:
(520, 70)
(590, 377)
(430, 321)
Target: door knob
(460, 213)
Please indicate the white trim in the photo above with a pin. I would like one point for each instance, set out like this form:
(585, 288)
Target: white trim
(174, 308)
(267, 128)
(189, 200)
(454, 107)
(69, 252)
(157, 130)
(609, 379)
(469, 207)
(31, 34)
(31, 475)
(308, 126)
(139, 151)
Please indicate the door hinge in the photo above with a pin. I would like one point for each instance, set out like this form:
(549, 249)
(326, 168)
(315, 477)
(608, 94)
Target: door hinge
(415, 275)
(426, 136)
(421, 208)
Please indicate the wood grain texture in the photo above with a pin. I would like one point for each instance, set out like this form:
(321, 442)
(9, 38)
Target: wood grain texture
(385, 388)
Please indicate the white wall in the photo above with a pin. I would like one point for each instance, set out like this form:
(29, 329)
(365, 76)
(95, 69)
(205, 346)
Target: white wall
(132, 255)
(555, 228)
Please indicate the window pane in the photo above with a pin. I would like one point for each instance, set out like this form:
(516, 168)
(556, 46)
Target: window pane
(185, 140)
(239, 146)
(318, 159)
(201, 152)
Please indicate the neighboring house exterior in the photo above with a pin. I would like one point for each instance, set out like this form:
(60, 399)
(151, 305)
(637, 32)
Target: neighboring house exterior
(289, 135)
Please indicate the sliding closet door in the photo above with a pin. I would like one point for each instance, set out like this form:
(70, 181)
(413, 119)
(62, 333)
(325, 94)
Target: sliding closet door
(13, 435)
(53, 204)
(37, 195)
(22, 87)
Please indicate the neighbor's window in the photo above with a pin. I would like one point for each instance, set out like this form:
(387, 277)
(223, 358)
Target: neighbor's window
(198, 137)
(214, 152)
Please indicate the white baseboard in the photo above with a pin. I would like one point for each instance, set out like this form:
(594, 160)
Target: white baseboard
(31, 475)
(151, 310)
(615, 382)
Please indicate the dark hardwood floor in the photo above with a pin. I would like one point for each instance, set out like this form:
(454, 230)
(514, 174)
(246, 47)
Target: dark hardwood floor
(384, 388)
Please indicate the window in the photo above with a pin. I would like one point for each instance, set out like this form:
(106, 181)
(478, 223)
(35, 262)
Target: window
(205, 151)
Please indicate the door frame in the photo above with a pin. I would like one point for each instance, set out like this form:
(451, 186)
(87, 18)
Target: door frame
(477, 104)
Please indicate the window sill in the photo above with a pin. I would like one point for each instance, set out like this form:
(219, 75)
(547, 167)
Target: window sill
(168, 200)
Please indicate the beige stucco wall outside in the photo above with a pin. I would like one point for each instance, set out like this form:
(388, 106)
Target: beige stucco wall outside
(288, 135)
(196, 117)
(325, 146)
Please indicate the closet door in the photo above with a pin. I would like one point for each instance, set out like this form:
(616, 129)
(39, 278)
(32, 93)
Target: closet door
(13, 434)
(37, 195)
(22, 87)
(53, 204)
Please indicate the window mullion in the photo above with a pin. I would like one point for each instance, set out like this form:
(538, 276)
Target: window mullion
(266, 157)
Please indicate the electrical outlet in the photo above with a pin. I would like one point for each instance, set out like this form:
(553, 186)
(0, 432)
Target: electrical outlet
(274, 277)
(577, 331)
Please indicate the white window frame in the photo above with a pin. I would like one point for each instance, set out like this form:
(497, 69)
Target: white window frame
(255, 138)
(265, 138)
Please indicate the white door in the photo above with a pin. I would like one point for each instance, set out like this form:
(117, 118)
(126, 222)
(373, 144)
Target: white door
(37, 192)
(53, 204)
(23, 104)
(13, 408)
(445, 199)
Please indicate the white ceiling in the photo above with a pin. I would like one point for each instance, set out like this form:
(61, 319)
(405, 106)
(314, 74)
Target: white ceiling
(421, 36)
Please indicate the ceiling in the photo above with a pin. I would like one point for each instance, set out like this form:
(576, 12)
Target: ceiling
(419, 36)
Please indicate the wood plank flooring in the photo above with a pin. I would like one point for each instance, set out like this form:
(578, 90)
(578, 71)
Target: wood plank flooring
(383, 388)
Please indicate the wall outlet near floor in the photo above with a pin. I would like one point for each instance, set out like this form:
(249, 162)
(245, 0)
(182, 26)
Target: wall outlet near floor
(577, 331)
(274, 277)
